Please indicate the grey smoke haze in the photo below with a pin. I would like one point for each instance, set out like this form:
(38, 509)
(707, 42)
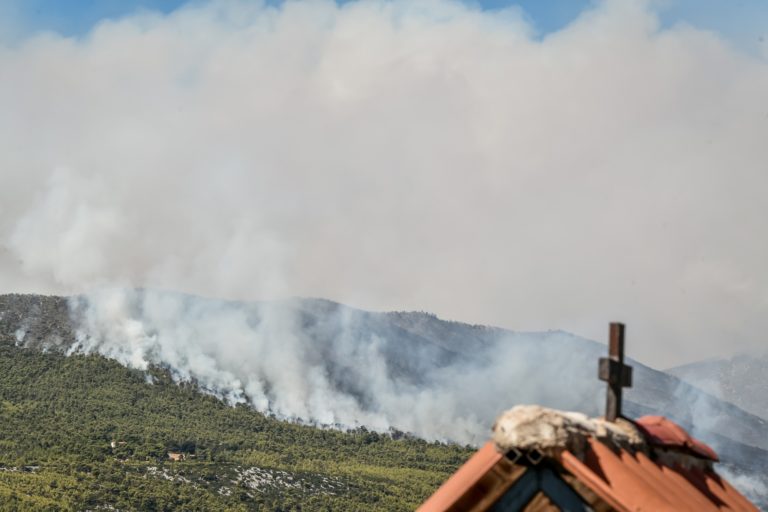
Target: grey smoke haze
(319, 362)
(399, 155)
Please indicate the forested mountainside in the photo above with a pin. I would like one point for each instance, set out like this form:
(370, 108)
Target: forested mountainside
(61, 413)
(59, 418)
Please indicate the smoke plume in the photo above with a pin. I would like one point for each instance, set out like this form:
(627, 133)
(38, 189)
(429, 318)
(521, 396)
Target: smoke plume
(326, 364)
(398, 155)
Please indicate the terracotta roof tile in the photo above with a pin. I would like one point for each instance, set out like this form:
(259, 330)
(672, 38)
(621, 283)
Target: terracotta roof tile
(462, 480)
(719, 488)
(587, 476)
(663, 432)
(679, 486)
(637, 483)
(624, 480)
(627, 483)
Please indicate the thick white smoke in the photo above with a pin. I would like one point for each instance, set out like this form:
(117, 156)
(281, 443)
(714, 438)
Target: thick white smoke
(399, 155)
(334, 366)
(406, 154)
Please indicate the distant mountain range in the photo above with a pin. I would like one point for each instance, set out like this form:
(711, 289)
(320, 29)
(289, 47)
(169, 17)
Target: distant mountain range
(408, 371)
(741, 380)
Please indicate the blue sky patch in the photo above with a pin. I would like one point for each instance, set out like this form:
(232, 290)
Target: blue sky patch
(745, 22)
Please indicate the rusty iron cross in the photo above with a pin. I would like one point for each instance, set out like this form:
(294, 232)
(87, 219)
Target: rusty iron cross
(613, 371)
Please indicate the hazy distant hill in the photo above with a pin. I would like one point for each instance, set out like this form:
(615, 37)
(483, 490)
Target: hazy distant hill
(559, 360)
(481, 370)
(741, 380)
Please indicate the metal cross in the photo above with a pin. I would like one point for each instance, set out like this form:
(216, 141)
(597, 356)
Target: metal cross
(613, 370)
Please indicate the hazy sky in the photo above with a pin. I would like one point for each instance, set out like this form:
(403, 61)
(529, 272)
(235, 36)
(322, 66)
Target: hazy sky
(526, 167)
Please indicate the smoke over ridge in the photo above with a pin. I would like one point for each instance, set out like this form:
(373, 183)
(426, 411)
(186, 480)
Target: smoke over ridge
(323, 363)
(399, 155)
(391, 155)
(318, 362)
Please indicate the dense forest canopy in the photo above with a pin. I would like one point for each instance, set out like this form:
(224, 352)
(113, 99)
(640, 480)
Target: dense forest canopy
(60, 415)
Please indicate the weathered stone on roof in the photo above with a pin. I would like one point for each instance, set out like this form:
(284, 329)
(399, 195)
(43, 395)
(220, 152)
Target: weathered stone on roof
(529, 427)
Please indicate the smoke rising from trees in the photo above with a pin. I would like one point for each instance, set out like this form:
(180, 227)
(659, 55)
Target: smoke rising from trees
(399, 155)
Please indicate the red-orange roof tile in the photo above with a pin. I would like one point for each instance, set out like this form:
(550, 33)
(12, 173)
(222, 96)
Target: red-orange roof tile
(635, 492)
(463, 479)
(634, 482)
(663, 432)
(585, 475)
(625, 481)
